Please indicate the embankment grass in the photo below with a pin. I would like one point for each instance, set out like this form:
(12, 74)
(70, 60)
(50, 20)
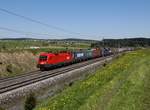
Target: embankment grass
(122, 85)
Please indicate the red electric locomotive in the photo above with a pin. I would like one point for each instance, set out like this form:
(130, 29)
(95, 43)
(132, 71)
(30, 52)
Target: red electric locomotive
(51, 60)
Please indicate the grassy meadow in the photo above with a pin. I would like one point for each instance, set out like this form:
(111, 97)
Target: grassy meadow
(121, 85)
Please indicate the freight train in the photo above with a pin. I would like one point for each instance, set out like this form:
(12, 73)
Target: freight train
(52, 60)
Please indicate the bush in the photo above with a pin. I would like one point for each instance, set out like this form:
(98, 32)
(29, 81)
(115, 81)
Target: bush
(30, 102)
(9, 68)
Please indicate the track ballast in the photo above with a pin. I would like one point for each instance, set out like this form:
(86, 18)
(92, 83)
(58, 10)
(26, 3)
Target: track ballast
(8, 84)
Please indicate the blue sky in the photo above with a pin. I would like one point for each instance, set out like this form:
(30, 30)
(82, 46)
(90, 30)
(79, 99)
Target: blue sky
(93, 19)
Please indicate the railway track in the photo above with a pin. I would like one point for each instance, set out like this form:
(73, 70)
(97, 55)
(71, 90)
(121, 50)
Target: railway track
(11, 83)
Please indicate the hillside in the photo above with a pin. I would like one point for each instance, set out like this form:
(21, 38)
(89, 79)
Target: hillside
(17, 63)
(118, 86)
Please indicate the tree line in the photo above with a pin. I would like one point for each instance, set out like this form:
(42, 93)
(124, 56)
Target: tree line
(130, 42)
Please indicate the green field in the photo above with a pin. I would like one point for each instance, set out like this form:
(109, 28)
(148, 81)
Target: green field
(42, 45)
(122, 85)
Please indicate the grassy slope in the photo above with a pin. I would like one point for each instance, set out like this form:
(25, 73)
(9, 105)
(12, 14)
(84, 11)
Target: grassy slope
(123, 85)
(15, 63)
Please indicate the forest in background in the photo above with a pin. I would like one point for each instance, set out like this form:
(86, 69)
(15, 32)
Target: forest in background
(128, 42)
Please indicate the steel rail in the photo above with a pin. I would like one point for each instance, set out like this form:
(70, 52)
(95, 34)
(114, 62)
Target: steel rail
(23, 80)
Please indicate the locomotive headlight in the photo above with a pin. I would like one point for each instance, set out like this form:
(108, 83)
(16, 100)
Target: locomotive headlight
(68, 57)
(42, 63)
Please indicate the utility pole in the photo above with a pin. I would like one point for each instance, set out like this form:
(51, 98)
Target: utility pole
(103, 42)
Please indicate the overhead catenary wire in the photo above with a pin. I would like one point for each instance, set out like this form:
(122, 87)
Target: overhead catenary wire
(27, 33)
(41, 23)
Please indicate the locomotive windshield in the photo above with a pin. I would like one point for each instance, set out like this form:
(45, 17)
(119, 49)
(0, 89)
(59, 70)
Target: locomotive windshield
(43, 58)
